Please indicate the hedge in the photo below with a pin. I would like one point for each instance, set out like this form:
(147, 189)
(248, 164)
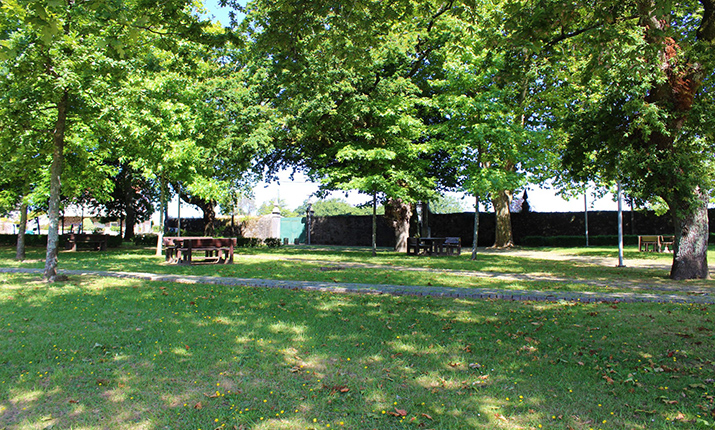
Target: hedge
(41, 240)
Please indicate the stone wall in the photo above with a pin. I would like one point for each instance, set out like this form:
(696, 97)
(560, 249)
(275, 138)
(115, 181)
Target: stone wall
(351, 230)
(356, 230)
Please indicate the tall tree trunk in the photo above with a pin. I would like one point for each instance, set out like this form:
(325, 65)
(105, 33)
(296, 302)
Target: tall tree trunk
(475, 238)
(501, 201)
(690, 257)
(50, 273)
(208, 207)
(20, 252)
(399, 213)
(676, 94)
(130, 211)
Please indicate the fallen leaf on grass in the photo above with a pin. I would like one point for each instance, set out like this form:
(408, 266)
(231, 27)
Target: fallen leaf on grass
(427, 416)
(398, 413)
(500, 417)
(198, 405)
(680, 417)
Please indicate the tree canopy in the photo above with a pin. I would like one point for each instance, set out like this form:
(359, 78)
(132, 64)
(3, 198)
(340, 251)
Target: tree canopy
(401, 100)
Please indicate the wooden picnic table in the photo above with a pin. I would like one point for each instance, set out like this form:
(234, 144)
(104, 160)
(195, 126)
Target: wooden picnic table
(434, 245)
(182, 250)
(98, 242)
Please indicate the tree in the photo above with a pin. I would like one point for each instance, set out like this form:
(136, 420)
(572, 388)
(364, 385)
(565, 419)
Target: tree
(491, 99)
(346, 81)
(333, 207)
(446, 204)
(269, 206)
(645, 99)
(132, 199)
(68, 53)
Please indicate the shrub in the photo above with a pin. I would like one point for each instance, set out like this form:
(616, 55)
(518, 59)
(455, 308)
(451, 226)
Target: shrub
(248, 242)
(145, 239)
(272, 242)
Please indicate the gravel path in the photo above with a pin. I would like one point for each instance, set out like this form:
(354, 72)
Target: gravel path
(696, 296)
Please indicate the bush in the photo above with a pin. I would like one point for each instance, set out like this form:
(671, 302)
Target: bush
(41, 240)
(272, 242)
(114, 241)
(248, 242)
(145, 239)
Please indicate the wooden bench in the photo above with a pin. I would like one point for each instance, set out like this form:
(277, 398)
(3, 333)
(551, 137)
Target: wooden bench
(655, 243)
(415, 245)
(666, 243)
(97, 242)
(451, 245)
(215, 250)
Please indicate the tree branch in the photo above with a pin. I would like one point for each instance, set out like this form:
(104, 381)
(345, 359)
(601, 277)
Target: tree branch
(422, 54)
(565, 36)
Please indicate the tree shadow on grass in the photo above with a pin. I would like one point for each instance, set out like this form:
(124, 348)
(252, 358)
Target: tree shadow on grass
(102, 353)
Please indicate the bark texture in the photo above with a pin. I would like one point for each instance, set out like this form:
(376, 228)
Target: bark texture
(130, 211)
(399, 213)
(676, 93)
(208, 207)
(50, 273)
(690, 258)
(502, 202)
(20, 251)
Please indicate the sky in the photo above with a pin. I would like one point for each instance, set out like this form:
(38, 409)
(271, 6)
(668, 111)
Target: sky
(295, 192)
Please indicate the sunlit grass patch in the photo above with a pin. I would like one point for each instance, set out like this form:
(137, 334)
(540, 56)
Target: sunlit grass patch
(100, 353)
(566, 270)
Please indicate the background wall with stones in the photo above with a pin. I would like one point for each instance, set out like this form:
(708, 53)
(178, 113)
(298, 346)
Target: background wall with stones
(351, 230)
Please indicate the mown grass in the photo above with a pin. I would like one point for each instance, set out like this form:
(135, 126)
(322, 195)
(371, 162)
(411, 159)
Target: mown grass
(570, 270)
(94, 353)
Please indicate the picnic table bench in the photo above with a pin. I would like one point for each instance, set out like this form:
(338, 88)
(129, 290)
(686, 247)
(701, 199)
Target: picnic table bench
(434, 245)
(655, 243)
(97, 242)
(182, 250)
(170, 246)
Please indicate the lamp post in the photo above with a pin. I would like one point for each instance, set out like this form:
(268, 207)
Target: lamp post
(309, 215)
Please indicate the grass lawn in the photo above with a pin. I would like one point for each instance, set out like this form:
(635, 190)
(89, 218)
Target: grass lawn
(356, 265)
(102, 353)
(97, 353)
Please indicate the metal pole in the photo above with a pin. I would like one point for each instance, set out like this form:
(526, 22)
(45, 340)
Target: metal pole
(374, 223)
(620, 225)
(178, 217)
(585, 212)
